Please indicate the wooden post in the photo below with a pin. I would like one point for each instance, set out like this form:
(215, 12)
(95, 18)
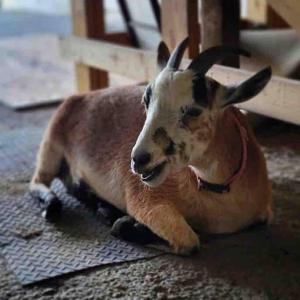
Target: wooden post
(179, 19)
(220, 25)
(88, 21)
(211, 23)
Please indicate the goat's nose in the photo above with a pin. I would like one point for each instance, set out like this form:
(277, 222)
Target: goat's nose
(141, 159)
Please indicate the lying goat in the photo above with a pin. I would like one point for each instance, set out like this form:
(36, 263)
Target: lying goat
(195, 162)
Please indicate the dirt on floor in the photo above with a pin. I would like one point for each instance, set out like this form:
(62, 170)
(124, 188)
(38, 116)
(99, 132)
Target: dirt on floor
(258, 263)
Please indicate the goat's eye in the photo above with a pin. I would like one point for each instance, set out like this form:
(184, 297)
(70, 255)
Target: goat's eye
(192, 112)
(147, 96)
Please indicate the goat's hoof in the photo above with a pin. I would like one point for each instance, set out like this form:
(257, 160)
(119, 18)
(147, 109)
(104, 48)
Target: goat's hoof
(128, 229)
(105, 216)
(53, 210)
(188, 251)
(51, 206)
(123, 228)
(108, 214)
(189, 246)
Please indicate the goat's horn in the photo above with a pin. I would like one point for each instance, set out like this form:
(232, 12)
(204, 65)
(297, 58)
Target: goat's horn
(205, 60)
(177, 54)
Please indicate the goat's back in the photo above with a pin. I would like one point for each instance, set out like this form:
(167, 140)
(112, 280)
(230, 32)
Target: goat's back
(111, 117)
(97, 131)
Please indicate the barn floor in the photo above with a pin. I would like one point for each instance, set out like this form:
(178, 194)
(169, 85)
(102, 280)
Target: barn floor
(260, 263)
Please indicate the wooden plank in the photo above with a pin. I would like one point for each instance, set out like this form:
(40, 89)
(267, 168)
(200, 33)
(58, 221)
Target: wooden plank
(179, 19)
(257, 11)
(274, 20)
(88, 21)
(220, 25)
(289, 10)
(280, 99)
(130, 62)
(23, 104)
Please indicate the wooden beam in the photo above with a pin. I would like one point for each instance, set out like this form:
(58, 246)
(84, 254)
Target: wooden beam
(289, 10)
(274, 20)
(88, 21)
(279, 100)
(220, 21)
(130, 62)
(257, 11)
(260, 12)
(179, 19)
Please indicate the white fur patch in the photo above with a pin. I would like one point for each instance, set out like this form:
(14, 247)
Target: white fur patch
(171, 91)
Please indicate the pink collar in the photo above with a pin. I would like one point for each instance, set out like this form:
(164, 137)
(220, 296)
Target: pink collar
(225, 187)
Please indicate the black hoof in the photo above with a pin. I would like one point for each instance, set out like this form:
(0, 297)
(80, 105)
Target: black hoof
(190, 252)
(123, 228)
(108, 214)
(128, 229)
(50, 205)
(52, 211)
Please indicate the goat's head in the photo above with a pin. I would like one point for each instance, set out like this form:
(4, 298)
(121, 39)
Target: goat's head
(182, 107)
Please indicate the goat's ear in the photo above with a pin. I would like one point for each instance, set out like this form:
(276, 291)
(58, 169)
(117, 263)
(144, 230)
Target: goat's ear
(163, 55)
(247, 89)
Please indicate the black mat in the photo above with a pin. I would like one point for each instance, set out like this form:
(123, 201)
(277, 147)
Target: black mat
(36, 250)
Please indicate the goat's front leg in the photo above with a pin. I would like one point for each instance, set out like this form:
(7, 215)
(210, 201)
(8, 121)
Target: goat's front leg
(164, 220)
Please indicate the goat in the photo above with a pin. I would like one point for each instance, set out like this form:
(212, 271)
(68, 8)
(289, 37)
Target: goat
(194, 160)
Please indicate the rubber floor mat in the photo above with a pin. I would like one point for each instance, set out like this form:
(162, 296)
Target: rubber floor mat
(36, 250)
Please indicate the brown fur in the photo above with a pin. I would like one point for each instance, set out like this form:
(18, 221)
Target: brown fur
(95, 133)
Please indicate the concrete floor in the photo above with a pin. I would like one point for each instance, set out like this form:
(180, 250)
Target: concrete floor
(260, 263)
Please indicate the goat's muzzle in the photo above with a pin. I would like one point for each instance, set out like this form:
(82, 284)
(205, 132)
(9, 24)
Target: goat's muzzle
(140, 161)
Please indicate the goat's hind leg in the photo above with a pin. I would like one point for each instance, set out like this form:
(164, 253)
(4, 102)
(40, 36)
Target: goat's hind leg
(49, 163)
(128, 229)
(106, 212)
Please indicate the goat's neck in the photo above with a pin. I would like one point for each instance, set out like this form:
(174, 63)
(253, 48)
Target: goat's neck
(223, 155)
